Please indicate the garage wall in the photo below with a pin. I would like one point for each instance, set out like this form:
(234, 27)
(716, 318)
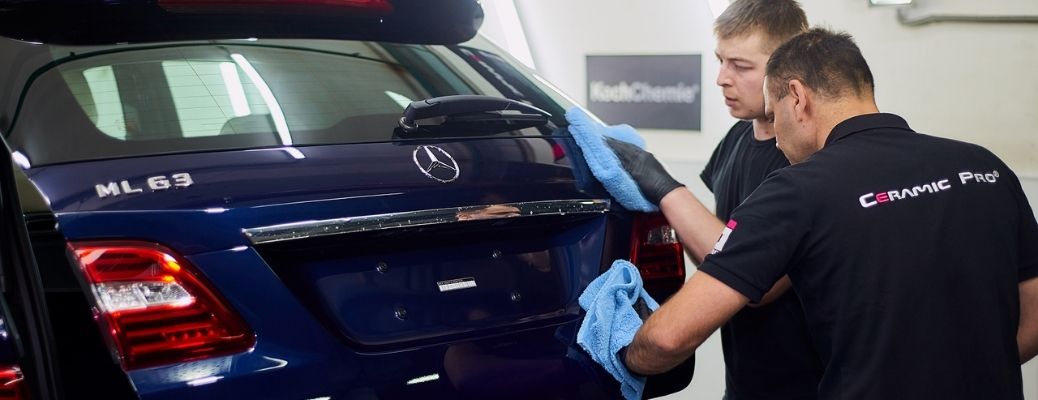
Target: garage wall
(972, 82)
(562, 33)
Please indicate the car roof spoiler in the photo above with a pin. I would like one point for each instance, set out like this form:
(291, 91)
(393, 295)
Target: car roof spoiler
(102, 22)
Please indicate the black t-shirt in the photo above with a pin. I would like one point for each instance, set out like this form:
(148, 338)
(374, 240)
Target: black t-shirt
(739, 164)
(906, 251)
(767, 351)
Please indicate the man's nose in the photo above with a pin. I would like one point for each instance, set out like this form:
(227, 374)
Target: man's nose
(722, 77)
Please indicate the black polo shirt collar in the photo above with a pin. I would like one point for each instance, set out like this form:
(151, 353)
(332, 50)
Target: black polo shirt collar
(865, 122)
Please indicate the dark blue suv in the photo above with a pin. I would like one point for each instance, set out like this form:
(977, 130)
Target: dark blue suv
(335, 199)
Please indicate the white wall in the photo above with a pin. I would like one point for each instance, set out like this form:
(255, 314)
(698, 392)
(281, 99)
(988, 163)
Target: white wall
(562, 33)
(973, 82)
(503, 27)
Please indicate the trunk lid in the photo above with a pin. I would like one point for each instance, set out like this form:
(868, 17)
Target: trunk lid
(382, 248)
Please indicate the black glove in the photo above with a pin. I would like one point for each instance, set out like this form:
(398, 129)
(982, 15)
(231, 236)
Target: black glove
(642, 308)
(653, 180)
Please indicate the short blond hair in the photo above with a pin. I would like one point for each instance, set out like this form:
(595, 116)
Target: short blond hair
(777, 20)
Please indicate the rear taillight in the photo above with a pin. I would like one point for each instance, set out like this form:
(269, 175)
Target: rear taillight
(657, 253)
(558, 151)
(12, 383)
(156, 308)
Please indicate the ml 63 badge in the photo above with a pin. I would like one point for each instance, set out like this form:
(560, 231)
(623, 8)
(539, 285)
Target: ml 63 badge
(153, 184)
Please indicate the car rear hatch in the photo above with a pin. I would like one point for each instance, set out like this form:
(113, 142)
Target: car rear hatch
(397, 279)
(381, 254)
(358, 248)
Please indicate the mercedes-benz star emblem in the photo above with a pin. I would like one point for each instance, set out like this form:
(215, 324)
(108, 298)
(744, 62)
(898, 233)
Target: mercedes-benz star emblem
(436, 163)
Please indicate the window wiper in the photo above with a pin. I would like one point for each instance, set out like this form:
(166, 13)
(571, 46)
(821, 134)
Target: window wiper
(493, 113)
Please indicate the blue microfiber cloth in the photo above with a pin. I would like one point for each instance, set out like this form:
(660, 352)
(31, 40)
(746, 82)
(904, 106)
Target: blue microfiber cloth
(590, 135)
(611, 321)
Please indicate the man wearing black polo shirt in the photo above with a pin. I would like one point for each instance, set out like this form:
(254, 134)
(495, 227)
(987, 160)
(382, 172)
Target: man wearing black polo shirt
(915, 257)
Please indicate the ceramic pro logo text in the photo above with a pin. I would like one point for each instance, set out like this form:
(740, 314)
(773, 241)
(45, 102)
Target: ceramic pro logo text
(965, 178)
(872, 199)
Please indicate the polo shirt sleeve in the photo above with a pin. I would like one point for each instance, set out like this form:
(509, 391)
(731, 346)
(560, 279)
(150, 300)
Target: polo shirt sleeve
(762, 237)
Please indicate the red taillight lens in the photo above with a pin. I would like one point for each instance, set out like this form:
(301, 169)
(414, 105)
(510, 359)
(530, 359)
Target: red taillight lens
(558, 151)
(656, 251)
(155, 307)
(12, 383)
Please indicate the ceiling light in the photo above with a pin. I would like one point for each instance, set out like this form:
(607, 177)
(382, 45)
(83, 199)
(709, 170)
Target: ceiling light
(890, 2)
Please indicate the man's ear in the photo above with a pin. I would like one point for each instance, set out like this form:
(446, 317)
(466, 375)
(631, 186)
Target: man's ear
(801, 98)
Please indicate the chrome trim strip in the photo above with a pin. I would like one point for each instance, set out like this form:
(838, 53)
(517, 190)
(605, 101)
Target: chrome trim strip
(365, 223)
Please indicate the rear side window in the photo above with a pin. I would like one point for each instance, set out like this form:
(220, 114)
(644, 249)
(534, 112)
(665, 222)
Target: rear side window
(199, 97)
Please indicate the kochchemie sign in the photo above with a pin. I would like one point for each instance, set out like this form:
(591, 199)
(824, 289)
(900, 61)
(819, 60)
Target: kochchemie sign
(655, 92)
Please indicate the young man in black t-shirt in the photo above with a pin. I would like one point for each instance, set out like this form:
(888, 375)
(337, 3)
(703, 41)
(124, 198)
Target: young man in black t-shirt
(767, 351)
(915, 257)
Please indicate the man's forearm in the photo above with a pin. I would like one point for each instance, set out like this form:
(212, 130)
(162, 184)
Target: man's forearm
(646, 357)
(1027, 332)
(680, 325)
(775, 292)
(697, 227)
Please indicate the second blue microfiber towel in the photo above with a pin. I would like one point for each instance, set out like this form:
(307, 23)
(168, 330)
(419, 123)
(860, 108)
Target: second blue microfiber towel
(611, 321)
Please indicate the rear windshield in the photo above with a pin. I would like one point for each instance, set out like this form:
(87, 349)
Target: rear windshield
(185, 97)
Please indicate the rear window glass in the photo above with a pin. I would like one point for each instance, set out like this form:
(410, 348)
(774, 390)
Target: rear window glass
(125, 102)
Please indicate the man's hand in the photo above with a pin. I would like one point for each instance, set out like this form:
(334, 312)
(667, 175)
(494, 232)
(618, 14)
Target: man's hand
(679, 326)
(642, 308)
(653, 180)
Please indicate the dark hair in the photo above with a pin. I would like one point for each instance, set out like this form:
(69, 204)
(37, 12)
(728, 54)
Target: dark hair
(829, 63)
(778, 20)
